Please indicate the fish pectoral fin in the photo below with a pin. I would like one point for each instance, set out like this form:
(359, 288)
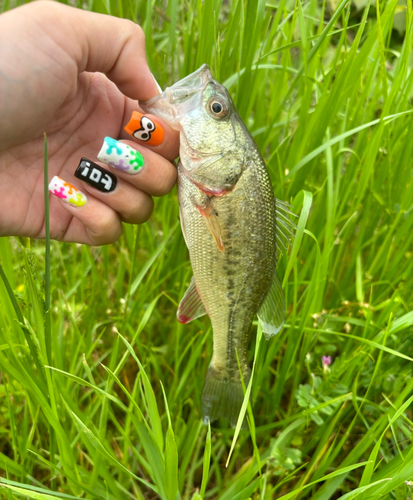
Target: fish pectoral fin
(211, 219)
(271, 314)
(190, 306)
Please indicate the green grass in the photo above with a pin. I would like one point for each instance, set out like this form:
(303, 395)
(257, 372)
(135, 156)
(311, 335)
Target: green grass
(100, 396)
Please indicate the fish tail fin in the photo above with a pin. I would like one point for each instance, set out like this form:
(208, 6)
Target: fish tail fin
(223, 396)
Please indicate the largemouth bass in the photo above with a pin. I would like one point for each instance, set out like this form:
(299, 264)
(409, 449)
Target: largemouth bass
(229, 222)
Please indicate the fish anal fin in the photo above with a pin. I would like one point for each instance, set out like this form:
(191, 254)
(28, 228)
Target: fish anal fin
(271, 314)
(211, 219)
(191, 306)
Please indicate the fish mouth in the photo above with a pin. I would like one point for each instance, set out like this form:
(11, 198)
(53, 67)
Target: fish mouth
(180, 98)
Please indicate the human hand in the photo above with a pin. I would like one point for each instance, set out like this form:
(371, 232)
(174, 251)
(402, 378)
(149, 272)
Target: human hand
(77, 76)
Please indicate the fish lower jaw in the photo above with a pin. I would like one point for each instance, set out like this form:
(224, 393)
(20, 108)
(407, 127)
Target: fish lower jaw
(211, 191)
(186, 150)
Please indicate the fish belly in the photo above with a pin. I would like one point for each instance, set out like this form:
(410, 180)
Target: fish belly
(232, 284)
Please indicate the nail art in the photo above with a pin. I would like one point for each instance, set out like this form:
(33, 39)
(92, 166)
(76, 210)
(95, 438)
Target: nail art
(145, 129)
(120, 156)
(95, 176)
(67, 192)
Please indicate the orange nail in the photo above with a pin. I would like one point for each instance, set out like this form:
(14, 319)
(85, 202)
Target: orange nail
(145, 129)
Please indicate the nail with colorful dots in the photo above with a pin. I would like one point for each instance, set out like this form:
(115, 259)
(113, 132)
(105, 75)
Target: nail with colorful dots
(66, 192)
(121, 156)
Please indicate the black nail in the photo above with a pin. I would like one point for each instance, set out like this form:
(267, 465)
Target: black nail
(96, 176)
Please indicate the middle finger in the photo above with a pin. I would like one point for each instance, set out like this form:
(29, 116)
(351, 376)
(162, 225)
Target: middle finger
(139, 166)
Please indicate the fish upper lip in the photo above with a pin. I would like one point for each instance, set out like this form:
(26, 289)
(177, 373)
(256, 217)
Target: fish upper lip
(159, 106)
(163, 105)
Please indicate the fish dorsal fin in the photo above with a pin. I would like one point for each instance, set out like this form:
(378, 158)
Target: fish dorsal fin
(190, 306)
(272, 311)
(210, 217)
(285, 226)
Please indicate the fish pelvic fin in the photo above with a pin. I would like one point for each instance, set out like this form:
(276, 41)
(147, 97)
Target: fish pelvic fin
(223, 396)
(191, 306)
(271, 314)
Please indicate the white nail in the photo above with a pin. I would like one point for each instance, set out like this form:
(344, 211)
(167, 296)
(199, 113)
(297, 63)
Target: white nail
(121, 156)
(66, 192)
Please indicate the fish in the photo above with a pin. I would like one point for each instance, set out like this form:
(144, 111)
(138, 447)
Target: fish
(233, 228)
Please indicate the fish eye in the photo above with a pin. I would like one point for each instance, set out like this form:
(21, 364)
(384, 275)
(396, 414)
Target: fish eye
(218, 108)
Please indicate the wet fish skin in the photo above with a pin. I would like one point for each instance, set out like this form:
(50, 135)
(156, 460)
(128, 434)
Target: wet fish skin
(228, 218)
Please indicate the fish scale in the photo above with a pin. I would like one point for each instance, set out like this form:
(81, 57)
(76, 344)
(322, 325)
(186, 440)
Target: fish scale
(228, 217)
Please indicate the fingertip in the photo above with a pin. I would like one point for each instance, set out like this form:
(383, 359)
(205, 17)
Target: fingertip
(150, 131)
(93, 222)
(66, 192)
(146, 129)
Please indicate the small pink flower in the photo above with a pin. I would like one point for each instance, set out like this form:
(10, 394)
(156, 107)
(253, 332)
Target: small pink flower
(326, 360)
(326, 363)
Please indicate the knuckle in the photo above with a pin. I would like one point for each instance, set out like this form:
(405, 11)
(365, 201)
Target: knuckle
(145, 209)
(140, 211)
(167, 182)
(42, 4)
(160, 177)
(105, 224)
(139, 31)
(108, 231)
(134, 30)
(45, 9)
(149, 211)
(106, 239)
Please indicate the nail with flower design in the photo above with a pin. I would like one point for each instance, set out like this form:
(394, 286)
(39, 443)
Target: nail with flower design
(66, 192)
(121, 156)
(326, 363)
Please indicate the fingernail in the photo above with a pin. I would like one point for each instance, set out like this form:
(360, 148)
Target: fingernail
(96, 176)
(67, 192)
(120, 156)
(157, 84)
(145, 129)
